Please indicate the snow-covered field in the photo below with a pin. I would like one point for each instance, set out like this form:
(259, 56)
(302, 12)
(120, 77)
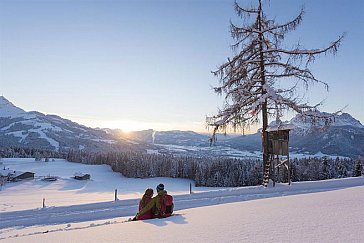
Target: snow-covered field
(325, 211)
(68, 191)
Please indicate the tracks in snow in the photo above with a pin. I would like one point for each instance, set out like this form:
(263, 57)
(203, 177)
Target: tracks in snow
(127, 208)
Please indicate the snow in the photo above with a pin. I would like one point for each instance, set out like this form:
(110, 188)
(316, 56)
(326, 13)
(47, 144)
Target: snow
(51, 141)
(322, 211)
(233, 153)
(20, 134)
(317, 155)
(23, 134)
(6, 172)
(279, 127)
(344, 119)
(109, 141)
(211, 151)
(7, 109)
(68, 191)
(152, 151)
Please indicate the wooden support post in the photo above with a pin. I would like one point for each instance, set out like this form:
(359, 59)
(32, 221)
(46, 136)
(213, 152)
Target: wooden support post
(289, 170)
(116, 194)
(44, 203)
(274, 174)
(190, 188)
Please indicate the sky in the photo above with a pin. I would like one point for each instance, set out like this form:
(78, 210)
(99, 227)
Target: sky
(138, 65)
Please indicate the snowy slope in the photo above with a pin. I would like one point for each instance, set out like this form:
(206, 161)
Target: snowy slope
(332, 216)
(67, 191)
(37, 130)
(7, 109)
(324, 211)
(344, 137)
(128, 207)
(341, 120)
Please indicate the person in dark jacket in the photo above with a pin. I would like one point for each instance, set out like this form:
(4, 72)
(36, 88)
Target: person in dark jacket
(154, 204)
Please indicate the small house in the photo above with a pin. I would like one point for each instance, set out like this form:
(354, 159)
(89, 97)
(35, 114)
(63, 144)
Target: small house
(81, 176)
(19, 175)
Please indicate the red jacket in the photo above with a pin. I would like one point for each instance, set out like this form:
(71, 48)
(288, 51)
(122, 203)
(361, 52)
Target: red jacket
(142, 204)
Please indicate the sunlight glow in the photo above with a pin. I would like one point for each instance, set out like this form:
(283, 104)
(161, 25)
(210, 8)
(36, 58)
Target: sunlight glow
(128, 126)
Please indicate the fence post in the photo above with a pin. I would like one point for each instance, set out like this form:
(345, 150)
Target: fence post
(116, 194)
(190, 188)
(44, 203)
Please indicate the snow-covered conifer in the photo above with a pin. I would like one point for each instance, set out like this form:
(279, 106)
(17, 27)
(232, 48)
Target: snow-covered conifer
(263, 77)
(358, 168)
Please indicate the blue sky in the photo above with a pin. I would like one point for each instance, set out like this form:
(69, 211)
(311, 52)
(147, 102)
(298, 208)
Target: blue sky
(147, 64)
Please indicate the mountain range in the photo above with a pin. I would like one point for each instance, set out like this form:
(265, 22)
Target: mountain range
(37, 130)
(345, 137)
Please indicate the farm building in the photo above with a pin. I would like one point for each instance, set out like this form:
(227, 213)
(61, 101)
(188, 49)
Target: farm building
(19, 175)
(81, 176)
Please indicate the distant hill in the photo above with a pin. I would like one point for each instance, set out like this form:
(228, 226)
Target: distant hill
(345, 137)
(34, 129)
(175, 137)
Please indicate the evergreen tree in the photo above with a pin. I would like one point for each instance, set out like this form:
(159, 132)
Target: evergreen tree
(358, 168)
(252, 79)
(324, 170)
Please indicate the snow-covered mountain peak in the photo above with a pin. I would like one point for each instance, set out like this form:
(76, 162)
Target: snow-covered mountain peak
(37, 130)
(344, 119)
(7, 109)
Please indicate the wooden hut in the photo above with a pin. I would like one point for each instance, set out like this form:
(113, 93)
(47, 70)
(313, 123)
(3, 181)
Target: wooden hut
(278, 150)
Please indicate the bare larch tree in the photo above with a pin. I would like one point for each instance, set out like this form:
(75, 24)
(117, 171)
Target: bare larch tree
(263, 77)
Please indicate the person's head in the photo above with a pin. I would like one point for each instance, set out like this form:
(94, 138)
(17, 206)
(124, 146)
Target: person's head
(149, 192)
(160, 187)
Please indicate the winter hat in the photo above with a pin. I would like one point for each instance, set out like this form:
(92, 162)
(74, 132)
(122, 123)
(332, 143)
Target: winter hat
(160, 187)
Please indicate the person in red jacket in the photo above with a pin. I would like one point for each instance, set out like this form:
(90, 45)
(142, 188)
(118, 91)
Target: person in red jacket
(147, 197)
(161, 205)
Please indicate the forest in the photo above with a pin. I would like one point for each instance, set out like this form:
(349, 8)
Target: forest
(205, 171)
(217, 172)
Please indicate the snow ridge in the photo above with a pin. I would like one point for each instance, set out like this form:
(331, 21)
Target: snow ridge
(344, 119)
(7, 109)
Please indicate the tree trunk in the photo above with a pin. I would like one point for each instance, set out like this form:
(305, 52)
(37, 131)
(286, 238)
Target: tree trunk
(264, 105)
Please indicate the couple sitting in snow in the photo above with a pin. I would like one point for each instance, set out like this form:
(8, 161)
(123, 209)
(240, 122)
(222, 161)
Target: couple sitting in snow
(160, 206)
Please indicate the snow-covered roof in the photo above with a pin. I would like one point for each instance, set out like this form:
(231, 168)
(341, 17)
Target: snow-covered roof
(79, 173)
(17, 173)
(280, 127)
